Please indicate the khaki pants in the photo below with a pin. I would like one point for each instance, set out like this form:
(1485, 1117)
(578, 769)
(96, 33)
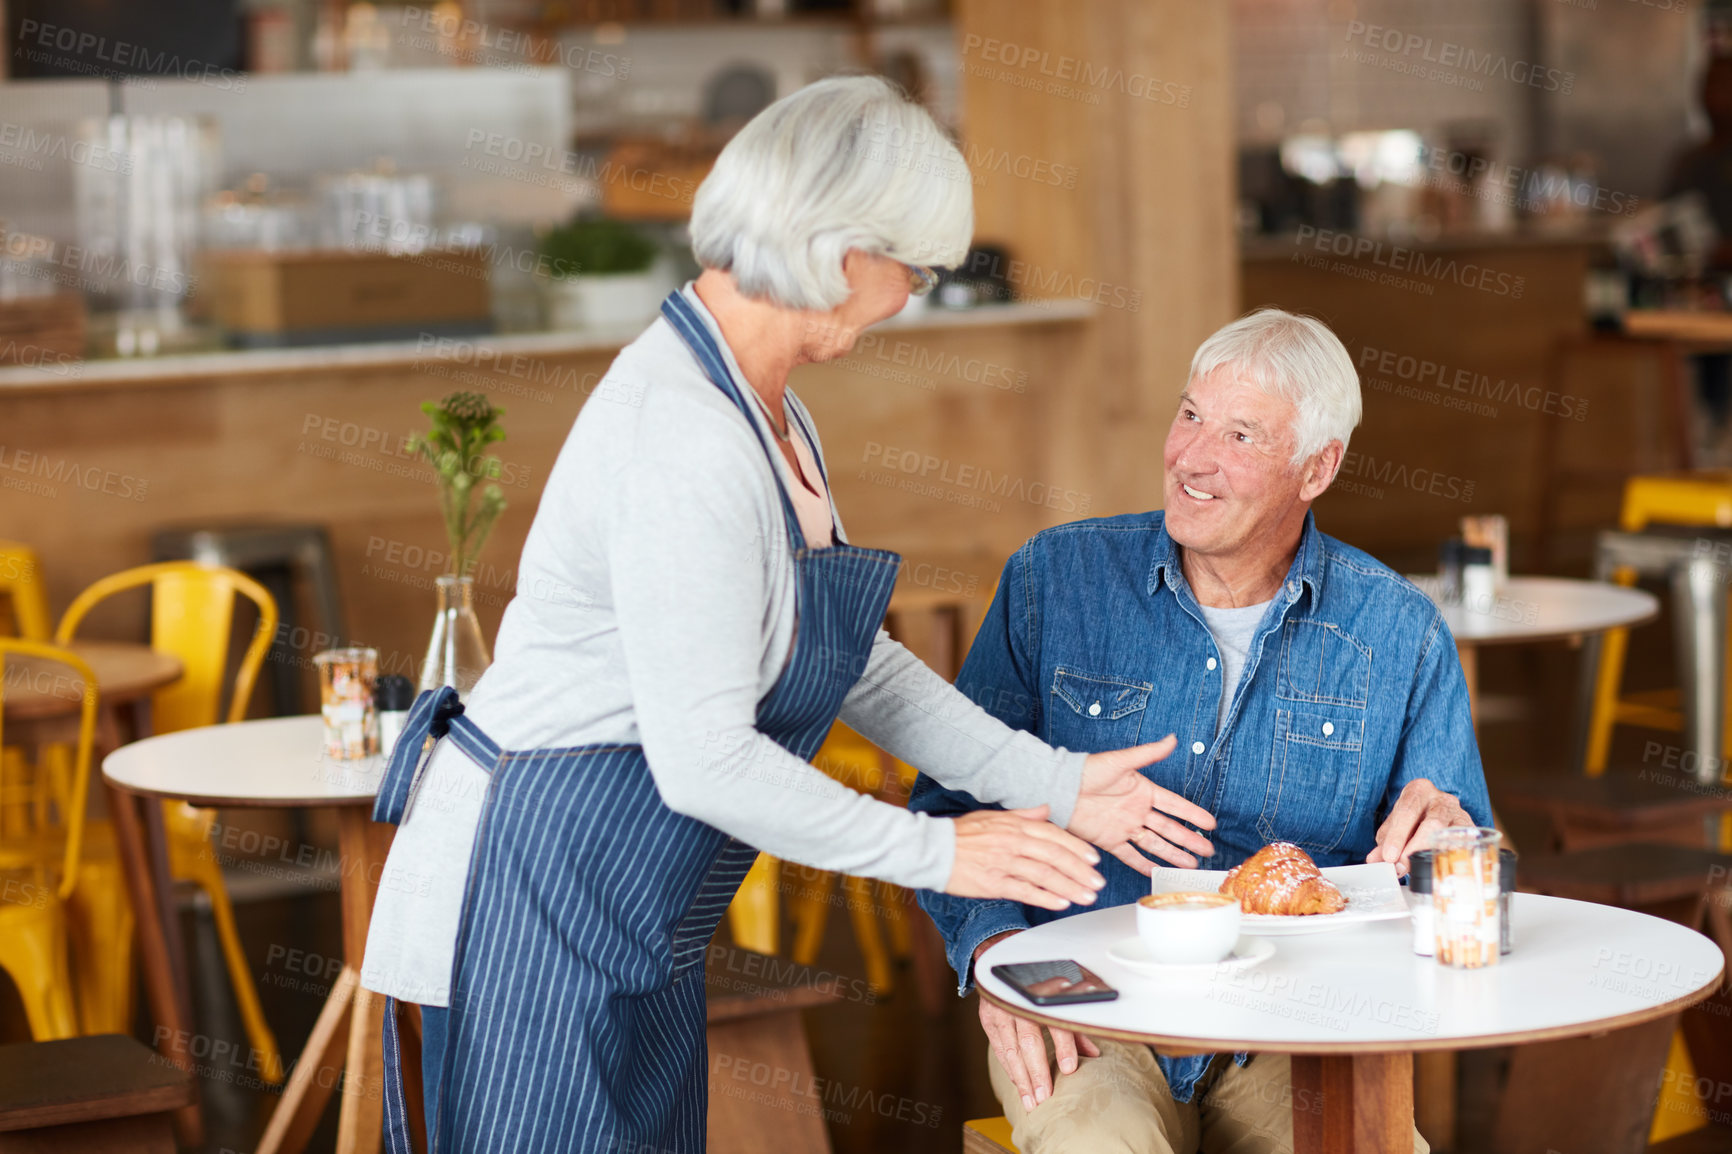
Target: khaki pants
(1119, 1103)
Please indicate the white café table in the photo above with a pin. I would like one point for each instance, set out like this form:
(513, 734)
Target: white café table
(1536, 609)
(273, 763)
(1353, 1006)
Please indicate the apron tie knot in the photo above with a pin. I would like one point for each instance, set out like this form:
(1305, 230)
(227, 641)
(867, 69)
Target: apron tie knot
(446, 708)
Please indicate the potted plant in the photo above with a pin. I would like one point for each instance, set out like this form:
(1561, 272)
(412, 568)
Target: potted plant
(463, 426)
(602, 274)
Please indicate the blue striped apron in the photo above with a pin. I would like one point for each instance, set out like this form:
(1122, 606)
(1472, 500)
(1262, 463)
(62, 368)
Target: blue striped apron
(577, 999)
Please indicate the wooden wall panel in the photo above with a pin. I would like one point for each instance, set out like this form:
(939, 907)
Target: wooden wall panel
(1419, 462)
(1136, 96)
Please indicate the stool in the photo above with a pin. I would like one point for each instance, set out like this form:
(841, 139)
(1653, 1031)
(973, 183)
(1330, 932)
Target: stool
(271, 554)
(1700, 500)
(94, 1094)
(987, 1136)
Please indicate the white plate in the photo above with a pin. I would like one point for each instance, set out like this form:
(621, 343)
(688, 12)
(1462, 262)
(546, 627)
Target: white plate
(1134, 952)
(1372, 889)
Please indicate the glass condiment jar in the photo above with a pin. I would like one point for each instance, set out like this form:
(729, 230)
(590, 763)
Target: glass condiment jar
(1419, 903)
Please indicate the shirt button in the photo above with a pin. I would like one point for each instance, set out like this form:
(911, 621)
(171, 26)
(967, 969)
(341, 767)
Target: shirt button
(1095, 709)
(1196, 747)
(1328, 728)
(1211, 663)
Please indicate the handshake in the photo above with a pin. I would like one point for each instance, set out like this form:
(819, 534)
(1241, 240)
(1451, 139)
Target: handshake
(1018, 854)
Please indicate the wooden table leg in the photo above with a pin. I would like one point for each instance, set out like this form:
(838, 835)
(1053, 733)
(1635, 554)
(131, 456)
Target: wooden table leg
(170, 1006)
(1353, 1103)
(315, 1073)
(364, 845)
(346, 1047)
(1469, 654)
(1434, 1097)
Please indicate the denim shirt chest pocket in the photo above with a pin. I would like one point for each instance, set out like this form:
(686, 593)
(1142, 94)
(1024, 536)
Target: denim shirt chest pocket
(1322, 688)
(1091, 712)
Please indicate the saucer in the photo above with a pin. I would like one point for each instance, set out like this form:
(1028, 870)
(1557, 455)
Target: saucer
(1248, 952)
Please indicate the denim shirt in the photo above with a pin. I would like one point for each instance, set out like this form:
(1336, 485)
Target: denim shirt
(1352, 688)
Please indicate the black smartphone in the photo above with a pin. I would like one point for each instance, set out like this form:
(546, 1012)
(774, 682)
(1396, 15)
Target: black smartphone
(1054, 983)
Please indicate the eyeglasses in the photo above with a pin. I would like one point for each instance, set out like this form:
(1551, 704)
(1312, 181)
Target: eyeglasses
(921, 280)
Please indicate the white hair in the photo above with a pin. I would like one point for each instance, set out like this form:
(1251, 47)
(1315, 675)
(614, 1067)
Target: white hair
(1297, 359)
(846, 163)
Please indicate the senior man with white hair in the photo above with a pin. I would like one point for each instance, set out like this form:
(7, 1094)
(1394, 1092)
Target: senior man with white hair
(1316, 696)
(690, 622)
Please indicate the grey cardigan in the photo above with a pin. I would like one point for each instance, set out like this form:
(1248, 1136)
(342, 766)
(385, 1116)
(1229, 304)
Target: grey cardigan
(655, 605)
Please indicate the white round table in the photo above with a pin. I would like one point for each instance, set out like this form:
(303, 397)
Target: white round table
(1536, 609)
(1353, 1006)
(274, 763)
(1544, 609)
(278, 761)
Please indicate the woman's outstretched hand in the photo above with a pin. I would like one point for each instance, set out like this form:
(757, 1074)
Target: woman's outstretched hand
(1122, 811)
(1020, 855)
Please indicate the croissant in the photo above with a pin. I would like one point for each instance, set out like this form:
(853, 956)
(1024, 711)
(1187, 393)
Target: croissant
(1281, 878)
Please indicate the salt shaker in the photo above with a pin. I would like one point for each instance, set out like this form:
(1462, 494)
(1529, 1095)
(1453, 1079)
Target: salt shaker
(393, 694)
(1478, 579)
(1419, 903)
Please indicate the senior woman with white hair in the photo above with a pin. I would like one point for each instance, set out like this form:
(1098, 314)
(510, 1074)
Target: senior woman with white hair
(646, 731)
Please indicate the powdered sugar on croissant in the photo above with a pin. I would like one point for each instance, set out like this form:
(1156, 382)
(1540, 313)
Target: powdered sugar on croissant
(1281, 878)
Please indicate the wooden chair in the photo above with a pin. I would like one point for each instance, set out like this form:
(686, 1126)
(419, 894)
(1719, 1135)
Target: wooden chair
(39, 866)
(94, 1095)
(192, 615)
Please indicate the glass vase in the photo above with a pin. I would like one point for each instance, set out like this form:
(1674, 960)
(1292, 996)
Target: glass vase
(457, 653)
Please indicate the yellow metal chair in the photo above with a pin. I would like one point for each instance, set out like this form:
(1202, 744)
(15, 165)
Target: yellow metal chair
(23, 613)
(1701, 498)
(192, 614)
(23, 604)
(754, 916)
(39, 869)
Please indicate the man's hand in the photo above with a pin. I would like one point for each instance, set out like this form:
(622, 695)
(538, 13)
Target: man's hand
(1122, 811)
(1420, 811)
(1019, 1048)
